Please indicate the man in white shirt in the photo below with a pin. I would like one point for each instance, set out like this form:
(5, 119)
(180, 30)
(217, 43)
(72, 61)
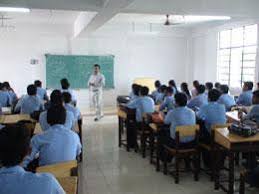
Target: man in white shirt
(96, 83)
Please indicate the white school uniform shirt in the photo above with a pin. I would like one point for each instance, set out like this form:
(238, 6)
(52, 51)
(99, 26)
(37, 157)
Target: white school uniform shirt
(98, 80)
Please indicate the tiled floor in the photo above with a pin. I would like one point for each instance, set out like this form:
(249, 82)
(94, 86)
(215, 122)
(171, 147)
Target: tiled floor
(109, 170)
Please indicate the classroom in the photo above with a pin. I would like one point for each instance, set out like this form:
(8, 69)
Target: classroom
(129, 96)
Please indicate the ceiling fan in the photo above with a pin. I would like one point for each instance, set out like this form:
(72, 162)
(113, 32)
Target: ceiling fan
(171, 22)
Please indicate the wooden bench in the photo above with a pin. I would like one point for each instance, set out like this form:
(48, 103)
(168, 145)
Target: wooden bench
(69, 184)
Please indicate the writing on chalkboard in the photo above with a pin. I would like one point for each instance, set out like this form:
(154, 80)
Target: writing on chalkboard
(77, 69)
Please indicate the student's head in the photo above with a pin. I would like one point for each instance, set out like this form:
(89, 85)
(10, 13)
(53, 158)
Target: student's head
(255, 97)
(209, 86)
(180, 99)
(6, 85)
(56, 98)
(163, 89)
(14, 145)
(144, 91)
(184, 87)
(201, 89)
(169, 91)
(196, 84)
(31, 90)
(64, 84)
(224, 89)
(172, 83)
(217, 85)
(38, 83)
(97, 68)
(136, 89)
(2, 87)
(56, 115)
(214, 95)
(157, 84)
(67, 97)
(248, 86)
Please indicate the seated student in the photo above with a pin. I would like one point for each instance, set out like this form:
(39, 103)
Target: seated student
(245, 98)
(5, 99)
(58, 143)
(41, 92)
(179, 116)
(172, 84)
(11, 92)
(69, 107)
(132, 94)
(212, 113)
(217, 85)
(194, 91)
(14, 146)
(225, 98)
(161, 95)
(253, 114)
(199, 100)
(185, 90)
(168, 103)
(208, 86)
(156, 92)
(65, 88)
(56, 100)
(143, 104)
(30, 103)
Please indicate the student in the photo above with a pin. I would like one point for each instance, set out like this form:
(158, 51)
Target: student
(14, 146)
(212, 113)
(217, 85)
(156, 92)
(253, 114)
(144, 104)
(208, 86)
(194, 91)
(5, 99)
(41, 92)
(133, 95)
(58, 144)
(69, 107)
(200, 100)
(225, 98)
(56, 101)
(168, 103)
(185, 90)
(161, 95)
(11, 92)
(180, 116)
(257, 85)
(172, 84)
(245, 98)
(30, 103)
(65, 88)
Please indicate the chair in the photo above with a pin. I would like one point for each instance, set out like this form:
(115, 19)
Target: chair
(80, 124)
(69, 184)
(210, 148)
(64, 169)
(181, 153)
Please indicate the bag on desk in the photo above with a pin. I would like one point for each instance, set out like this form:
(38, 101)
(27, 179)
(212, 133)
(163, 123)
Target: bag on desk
(157, 118)
(243, 130)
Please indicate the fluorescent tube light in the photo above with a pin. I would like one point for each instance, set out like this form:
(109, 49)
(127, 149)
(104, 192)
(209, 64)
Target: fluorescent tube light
(14, 9)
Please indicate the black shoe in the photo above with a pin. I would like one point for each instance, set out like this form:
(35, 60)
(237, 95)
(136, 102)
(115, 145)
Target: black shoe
(96, 119)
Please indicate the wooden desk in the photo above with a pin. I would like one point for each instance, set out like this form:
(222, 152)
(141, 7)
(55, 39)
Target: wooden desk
(38, 129)
(6, 110)
(232, 117)
(10, 119)
(69, 184)
(231, 144)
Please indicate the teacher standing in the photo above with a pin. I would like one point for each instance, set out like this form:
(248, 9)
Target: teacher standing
(96, 83)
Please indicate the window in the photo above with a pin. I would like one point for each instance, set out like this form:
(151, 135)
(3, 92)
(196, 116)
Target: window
(237, 55)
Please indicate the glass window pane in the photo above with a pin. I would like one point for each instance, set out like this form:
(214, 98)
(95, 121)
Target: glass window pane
(250, 49)
(249, 71)
(249, 64)
(249, 57)
(225, 37)
(251, 35)
(237, 37)
(235, 67)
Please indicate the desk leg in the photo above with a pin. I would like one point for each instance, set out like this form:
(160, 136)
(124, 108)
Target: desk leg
(127, 134)
(231, 173)
(216, 168)
(152, 142)
(158, 149)
(120, 129)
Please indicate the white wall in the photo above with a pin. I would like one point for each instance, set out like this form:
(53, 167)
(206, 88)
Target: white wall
(136, 55)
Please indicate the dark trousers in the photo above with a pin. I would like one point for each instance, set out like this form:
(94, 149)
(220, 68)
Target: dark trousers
(253, 177)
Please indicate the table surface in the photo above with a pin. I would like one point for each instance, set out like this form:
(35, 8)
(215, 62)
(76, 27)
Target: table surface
(9, 119)
(233, 116)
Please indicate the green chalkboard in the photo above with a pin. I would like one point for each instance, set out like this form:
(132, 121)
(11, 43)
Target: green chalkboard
(77, 69)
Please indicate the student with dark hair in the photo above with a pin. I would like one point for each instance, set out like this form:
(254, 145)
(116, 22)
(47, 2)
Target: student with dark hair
(14, 146)
(213, 112)
(217, 85)
(41, 92)
(194, 91)
(56, 101)
(168, 102)
(200, 100)
(161, 95)
(225, 98)
(5, 98)
(69, 107)
(208, 86)
(29, 103)
(185, 90)
(11, 92)
(156, 92)
(245, 98)
(144, 104)
(57, 144)
(179, 116)
(65, 87)
(172, 84)
(133, 94)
